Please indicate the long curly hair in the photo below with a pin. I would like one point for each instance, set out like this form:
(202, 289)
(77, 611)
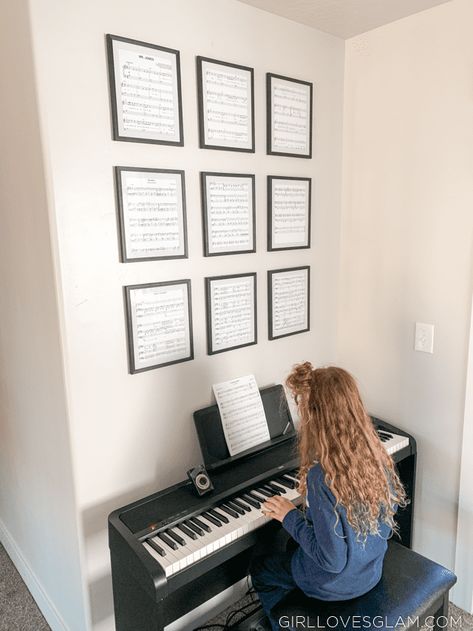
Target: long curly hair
(337, 432)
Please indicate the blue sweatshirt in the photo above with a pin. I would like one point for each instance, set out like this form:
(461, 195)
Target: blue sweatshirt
(330, 564)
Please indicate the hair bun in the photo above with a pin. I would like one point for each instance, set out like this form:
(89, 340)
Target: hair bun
(300, 379)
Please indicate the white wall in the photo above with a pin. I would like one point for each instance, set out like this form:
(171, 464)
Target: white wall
(132, 434)
(407, 242)
(463, 593)
(38, 519)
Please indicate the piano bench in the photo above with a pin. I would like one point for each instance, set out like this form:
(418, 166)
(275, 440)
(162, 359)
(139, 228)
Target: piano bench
(413, 591)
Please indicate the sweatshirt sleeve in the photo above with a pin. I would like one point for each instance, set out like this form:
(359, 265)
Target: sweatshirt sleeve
(320, 536)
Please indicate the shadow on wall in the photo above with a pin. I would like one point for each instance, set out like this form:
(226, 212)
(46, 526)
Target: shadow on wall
(95, 532)
(95, 527)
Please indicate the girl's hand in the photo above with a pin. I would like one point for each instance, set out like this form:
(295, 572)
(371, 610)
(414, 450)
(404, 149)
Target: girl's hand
(277, 507)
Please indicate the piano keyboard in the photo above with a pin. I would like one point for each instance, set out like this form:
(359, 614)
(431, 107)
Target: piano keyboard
(196, 537)
(392, 442)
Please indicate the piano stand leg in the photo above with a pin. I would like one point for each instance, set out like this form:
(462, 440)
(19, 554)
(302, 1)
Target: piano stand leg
(134, 609)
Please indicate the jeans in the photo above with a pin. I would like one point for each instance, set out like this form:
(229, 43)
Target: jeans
(272, 579)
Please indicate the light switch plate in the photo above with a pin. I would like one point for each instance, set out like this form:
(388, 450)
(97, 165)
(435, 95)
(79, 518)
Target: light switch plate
(424, 337)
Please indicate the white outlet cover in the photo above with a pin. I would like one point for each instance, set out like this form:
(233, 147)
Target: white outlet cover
(424, 337)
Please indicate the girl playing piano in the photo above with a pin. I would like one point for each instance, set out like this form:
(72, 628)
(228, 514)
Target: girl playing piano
(352, 492)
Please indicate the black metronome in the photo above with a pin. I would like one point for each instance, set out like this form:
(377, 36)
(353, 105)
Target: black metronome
(200, 479)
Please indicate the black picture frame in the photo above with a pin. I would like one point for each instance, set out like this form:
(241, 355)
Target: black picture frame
(208, 302)
(116, 134)
(270, 214)
(122, 228)
(127, 291)
(204, 175)
(272, 273)
(200, 98)
(269, 116)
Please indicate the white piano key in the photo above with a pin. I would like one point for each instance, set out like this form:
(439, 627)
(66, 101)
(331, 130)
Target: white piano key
(169, 562)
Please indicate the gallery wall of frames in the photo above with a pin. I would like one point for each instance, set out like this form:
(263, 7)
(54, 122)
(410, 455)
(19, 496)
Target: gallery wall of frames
(147, 107)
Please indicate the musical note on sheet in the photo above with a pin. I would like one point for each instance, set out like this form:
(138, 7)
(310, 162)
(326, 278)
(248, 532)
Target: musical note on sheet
(290, 295)
(229, 213)
(242, 413)
(153, 214)
(290, 212)
(160, 324)
(290, 116)
(232, 309)
(227, 105)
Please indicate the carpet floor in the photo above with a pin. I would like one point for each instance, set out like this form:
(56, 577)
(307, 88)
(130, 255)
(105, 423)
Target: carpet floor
(19, 612)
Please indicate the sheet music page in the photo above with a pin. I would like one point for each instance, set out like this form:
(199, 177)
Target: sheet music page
(160, 324)
(290, 208)
(242, 413)
(226, 93)
(153, 214)
(232, 305)
(229, 214)
(147, 95)
(290, 116)
(289, 302)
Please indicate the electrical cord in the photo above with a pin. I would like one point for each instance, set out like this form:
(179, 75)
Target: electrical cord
(231, 615)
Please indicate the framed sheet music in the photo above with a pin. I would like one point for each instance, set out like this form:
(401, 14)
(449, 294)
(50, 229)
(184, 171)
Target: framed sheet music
(226, 105)
(152, 213)
(288, 301)
(228, 209)
(159, 324)
(288, 116)
(289, 212)
(145, 92)
(231, 312)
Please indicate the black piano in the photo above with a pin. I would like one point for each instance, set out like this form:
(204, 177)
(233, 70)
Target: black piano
(173, 550)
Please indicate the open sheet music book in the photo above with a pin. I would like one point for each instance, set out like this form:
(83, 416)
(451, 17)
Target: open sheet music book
(242, 413)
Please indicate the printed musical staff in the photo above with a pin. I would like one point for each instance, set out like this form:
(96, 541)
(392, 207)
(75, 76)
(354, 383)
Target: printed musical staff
(231, 312)
(289, 116)
(228, 213)
(288, 212)
(226, 109)
(146, 92)
(159, 324)
(288, 298)
(242, 413)
(152, 213)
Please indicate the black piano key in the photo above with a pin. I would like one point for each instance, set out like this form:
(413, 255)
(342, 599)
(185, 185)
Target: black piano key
(201, 524)
(286, 483)
(270, 489)
(176, 537)
(289, 481)
(262, 491)
(156, 547)
(187, 531)
(242, 505)
(219, 516)
(194, 527)
(251, 501)
(257, 496)
(229, 510)
(235, 507)
(277, 487)
(168, 541)
(211, 519)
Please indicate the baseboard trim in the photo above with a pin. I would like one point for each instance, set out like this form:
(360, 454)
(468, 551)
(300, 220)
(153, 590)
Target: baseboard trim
(46, 606)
